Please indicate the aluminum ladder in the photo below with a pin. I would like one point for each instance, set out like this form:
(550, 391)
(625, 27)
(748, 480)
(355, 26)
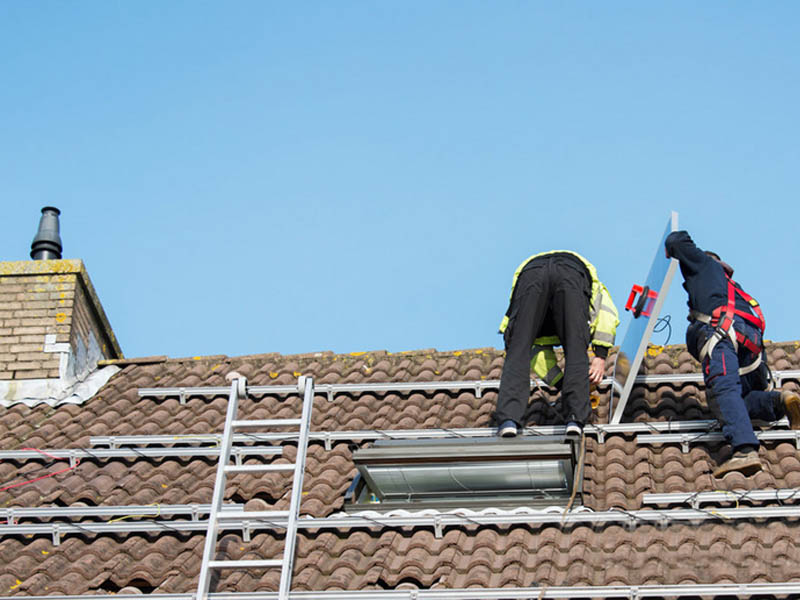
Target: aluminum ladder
(305, 386)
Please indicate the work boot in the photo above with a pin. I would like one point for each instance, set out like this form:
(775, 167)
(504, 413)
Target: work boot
(745, 461)
(507, 429)
(791, 404)
(573, 429)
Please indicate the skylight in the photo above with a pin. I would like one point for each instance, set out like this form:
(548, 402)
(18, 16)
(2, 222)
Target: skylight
(452, 473)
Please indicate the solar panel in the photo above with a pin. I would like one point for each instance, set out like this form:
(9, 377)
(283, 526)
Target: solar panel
(644, 304)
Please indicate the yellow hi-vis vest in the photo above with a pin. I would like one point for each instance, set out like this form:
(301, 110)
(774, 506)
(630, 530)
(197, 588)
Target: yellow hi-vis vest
(603, 321)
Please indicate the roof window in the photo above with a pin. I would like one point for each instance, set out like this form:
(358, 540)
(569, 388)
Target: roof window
(466, 472)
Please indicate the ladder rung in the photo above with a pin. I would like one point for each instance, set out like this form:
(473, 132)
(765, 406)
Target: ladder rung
(258, 468)
(244, 564)
(236, 515)
(266, 423)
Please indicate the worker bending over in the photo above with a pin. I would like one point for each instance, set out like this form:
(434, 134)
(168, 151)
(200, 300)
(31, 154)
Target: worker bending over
(726, 336)
(556, 299)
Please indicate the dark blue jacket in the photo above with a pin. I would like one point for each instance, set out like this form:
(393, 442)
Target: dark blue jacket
(704, 278)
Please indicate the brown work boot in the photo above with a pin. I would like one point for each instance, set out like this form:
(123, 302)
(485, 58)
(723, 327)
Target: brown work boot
(745, 462)
(791, 402)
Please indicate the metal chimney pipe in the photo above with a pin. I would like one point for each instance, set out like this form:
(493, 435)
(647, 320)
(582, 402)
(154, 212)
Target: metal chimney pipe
(47, 243)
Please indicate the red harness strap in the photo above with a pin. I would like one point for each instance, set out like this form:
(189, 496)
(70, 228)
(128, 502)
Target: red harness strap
(722, 317)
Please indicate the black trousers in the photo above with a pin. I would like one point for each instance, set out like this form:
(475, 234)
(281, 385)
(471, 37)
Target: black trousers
(551, 297)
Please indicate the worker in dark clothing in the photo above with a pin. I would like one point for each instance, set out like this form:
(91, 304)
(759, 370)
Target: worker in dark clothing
(726, 336)
(556, 299)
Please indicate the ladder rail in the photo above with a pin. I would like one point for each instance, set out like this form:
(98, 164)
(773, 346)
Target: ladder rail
(286, 561)
(297, 490)
(219, 493)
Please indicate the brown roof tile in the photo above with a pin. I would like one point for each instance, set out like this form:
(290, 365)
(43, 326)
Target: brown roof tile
(617, 475)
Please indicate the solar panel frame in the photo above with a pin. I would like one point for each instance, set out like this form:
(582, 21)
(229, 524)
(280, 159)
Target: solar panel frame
(640, 329)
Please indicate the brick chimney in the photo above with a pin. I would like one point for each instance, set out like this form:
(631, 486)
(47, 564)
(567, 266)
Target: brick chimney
(53, 330)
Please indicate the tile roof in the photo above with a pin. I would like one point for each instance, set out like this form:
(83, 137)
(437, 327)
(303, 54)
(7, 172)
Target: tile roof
(618, 472)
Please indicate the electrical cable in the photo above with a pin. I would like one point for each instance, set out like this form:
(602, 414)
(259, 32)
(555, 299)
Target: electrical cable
(664, 323)
(567, 509)
(453, 432)
(578, 474)
(158, 514)
(43, 453)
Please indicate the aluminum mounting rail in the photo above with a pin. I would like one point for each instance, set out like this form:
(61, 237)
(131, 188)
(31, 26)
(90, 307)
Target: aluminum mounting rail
(56, 530)
(13, 514)
(633, 592)
(631, 518)
(685, 439)
(331, 389)
(328, 437)
(438, 522)
(76, 454)
(780, 376)
(697, 498)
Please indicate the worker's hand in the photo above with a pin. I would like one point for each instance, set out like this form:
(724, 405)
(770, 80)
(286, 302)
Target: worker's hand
(597, 369)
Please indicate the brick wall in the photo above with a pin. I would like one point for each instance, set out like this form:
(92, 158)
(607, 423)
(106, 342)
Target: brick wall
(48, 298)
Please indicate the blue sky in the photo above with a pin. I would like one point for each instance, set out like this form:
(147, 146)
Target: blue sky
(249, 177)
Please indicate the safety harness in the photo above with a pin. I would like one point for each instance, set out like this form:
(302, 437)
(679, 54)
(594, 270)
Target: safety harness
(722, 321)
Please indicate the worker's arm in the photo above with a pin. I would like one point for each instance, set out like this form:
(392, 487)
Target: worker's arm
(604, 332)
(604, 326)
(680, 245)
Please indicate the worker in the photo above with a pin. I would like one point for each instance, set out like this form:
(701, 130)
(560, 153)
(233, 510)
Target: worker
(556, 299)
(726, 335)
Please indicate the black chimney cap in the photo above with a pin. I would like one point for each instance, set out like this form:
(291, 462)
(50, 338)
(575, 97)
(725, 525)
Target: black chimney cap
(47, 243)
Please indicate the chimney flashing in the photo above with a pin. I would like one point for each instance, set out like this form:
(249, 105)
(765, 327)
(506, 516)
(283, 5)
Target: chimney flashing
(54, 392)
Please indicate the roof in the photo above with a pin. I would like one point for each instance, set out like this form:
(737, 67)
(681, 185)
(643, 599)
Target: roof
(618, 473)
